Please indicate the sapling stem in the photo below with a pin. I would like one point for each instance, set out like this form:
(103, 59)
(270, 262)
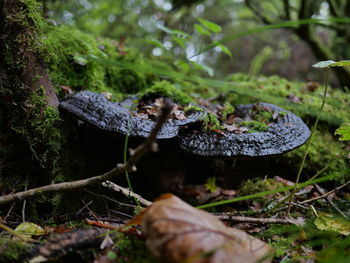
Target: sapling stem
(126, 172)
(306, 151)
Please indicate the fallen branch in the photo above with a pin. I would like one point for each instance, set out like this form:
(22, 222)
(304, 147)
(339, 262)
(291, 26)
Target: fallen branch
(127, 192)
(119, 169)
(245, 219)
(329, 200)
(325, 195)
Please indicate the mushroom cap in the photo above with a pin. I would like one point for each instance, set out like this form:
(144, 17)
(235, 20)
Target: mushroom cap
(282, 136)
(97, 110)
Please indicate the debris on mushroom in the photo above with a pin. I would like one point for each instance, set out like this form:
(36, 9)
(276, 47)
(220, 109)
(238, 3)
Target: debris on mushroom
(252, 130)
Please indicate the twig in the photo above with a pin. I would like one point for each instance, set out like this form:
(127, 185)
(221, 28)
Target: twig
(25, 201)
(324, 195)
(258, 220)
(127, 192)
(9, 212)
(319, 189)
(119, 169)
(82, 209)
(111, 199)
(88, 208)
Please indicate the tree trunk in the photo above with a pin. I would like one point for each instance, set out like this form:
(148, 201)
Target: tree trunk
(28, 115)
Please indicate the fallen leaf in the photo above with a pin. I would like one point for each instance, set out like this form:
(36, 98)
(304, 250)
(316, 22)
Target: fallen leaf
(178, 232)
(330, 222)
(30, 229)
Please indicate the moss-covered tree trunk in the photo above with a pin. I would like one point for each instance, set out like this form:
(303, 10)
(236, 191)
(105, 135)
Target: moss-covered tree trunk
(28, 115)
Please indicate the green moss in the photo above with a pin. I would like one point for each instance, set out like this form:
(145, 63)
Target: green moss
(254, 126)
(192, 108)
(262, 114)
(227, 110)
(45, 130)
(12, 250)
(257, 185)
(74, 63)
(166, 89)
(323, 149)
(283, 239)
(294, 96)
(30, 26)
(131, 249)
(211, 122)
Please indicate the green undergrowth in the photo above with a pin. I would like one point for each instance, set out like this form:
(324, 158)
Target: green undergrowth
(303, 99)
(128, 249)
(166, 89)
(324, 147)
(257, 185)
(297, 243)
(70, 66)
(12, 250)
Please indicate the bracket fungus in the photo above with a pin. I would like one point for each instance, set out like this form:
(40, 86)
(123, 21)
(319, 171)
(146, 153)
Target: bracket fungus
(122, 117)
(285, 133)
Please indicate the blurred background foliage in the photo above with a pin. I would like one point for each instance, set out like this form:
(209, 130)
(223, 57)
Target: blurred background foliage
(172, 30)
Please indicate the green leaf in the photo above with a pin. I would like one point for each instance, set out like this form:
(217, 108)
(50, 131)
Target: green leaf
(203, 67)
(78, 59)
(331, 63)
(324, 64)
(210, 25)
(173, 31)
(31, 229)
(111, 255)
(330, 222)
(155, 42)
(180, 41)
(344, 132)
(201, 30)
(341, 63)
(225, 50)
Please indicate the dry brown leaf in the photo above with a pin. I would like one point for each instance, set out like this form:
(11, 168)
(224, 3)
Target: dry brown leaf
(178, 232)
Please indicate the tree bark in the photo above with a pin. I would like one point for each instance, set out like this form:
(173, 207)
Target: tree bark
(22, 59)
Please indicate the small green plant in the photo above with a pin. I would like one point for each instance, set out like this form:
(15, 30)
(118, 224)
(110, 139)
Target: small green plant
(323, 64)
(211, 184)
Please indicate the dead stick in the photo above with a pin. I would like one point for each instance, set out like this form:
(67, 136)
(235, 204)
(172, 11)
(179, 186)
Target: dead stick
(320, 190)
(127, 192)
(119, 169)
(257, 219)
(324, 195)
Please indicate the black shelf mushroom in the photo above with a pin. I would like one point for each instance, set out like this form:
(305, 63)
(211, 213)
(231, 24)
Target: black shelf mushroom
(98, 111)
(283, 135)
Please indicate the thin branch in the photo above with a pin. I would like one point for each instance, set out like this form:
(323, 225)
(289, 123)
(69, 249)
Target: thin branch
(127, 192)
(259, 14)
(259, 220)
(319, 189)
(119, 169)
(324, 195)
(111, 199)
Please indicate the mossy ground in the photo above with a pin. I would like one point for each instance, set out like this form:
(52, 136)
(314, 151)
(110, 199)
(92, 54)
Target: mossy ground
(12, 251)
